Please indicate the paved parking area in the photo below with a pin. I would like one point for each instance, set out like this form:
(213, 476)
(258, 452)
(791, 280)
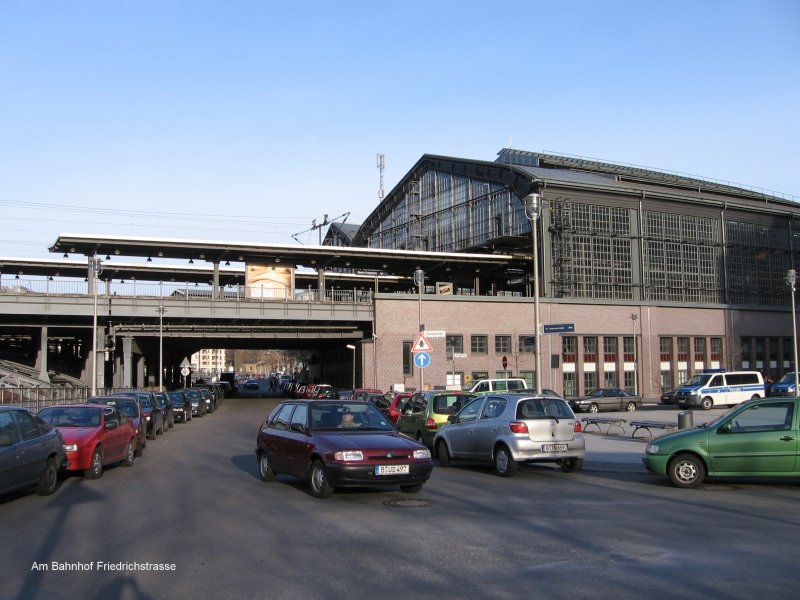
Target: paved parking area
(617, 450)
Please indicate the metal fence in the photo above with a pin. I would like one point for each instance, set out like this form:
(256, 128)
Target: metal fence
(37, 397)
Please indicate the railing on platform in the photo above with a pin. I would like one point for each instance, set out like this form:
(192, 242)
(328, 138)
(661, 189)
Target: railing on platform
(185, 291)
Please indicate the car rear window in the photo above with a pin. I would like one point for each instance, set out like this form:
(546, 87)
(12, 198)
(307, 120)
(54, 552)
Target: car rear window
(544, 408)
(448, 404)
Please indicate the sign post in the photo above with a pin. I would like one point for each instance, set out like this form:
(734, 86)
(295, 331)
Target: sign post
(422, 358)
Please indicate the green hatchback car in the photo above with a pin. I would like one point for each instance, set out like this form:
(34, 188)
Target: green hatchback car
(758, 438)
(426, 412)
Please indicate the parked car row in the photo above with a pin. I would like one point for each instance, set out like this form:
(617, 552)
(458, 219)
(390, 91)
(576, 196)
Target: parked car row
(354, 443)
(90, 436)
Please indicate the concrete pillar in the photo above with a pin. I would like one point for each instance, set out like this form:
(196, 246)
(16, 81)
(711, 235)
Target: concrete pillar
(128, 365)
(41, 355)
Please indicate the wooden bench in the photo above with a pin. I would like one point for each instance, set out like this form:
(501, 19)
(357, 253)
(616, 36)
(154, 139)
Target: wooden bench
(609, 422)
(648, 425)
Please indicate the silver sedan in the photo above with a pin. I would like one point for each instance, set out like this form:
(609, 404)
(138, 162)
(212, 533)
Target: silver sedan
(509, 429)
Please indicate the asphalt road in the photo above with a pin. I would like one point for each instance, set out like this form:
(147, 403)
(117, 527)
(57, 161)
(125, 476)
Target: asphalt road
(194, 500)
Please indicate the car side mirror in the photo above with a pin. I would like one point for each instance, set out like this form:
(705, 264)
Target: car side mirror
(726, 428)
(111, 425)
(452, 419)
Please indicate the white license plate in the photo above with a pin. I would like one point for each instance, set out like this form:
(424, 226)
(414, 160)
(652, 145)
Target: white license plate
(554, 448)
(391, 470)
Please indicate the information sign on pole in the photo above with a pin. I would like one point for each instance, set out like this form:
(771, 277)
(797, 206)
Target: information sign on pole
(422, 359)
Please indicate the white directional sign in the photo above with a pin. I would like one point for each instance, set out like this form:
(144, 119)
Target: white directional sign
(421, 344)
(434, 333)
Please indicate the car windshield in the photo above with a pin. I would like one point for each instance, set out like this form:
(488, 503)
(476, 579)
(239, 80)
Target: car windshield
(176, 398)
(788, 378)
(699, 379)
(348, 416)
(544, 408)
(192, 394)
(70, 416)
(127, 407)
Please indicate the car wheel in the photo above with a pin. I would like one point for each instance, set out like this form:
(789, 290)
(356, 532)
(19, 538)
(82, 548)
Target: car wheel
(130, 454)
(95, 470)
(265, 468)
(755, 397)
(706, 403)
(593, 408)
(318, 480)
(411, 489)
(686, 471)
(504, 463)
(442, 454)
(630, 406)
(571, 465)
(48, 480)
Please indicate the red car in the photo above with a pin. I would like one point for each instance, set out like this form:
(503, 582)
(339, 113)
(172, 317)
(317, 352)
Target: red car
(339, 443)
(392, 403)
(94, 435)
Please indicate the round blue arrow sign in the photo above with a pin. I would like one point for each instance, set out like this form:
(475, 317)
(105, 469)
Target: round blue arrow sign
(422, 359)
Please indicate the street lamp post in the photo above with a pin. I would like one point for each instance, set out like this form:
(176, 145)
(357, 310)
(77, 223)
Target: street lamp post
(419, 279)
(634, 316)
(97, 268)
(791, 281)
(161, 310)
(353, 348)
(533, 210)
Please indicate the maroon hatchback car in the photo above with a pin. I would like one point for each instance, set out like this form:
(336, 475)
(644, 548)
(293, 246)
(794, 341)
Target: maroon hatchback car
(339, 443)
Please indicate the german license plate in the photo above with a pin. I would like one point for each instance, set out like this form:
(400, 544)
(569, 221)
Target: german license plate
(554, 448)
(391, 470)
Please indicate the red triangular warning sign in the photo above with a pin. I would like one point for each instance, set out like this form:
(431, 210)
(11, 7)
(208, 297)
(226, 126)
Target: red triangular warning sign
(421, 344)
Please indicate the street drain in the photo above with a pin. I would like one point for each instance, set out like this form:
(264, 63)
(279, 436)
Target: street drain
(410, 503)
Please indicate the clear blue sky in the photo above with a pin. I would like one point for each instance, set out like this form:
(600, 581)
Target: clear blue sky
(245, 120)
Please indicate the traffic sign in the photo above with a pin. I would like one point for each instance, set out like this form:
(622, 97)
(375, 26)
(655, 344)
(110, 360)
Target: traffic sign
(434, 333)
(505, 362)
(422, 359)
(185, 371)
(560, 328)
(421, 344)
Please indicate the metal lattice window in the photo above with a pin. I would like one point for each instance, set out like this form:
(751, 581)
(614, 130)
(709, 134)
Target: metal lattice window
(502, 343)
(479, 344)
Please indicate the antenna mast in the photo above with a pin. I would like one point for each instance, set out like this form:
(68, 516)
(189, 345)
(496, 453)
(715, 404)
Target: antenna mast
(381, 167)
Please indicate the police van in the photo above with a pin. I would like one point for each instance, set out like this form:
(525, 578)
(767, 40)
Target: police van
(720, 388)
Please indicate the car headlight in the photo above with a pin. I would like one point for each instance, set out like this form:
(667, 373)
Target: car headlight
(422, 453)
(694, 393)
(349, 455)
(651, 449)
(71, 447)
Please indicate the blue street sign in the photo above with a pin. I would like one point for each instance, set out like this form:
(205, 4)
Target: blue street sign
(560, 328)
(422, 359)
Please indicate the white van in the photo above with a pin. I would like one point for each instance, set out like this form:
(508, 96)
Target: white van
(720, 388)
(485, 386)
